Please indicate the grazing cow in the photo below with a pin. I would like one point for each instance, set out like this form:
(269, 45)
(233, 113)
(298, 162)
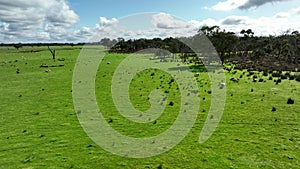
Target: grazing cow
(222, 85)
(234, 79)
(48, 71)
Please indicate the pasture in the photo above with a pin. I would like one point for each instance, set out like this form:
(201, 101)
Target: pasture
(40, 129)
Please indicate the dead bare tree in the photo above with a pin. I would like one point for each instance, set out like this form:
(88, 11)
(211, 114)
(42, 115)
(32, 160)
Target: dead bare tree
(52, 51)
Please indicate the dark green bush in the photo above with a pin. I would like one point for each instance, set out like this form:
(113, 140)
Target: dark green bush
(297, 77)
(265, 74)
(290, 101)
(276, 74)
(283, 76)
(250, 74)
(288, 74)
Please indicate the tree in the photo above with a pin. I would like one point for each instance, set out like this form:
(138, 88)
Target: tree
(224, 42)
(106, 42)
(247, 33)
(52, 51)
(17, 46)
(209, 31)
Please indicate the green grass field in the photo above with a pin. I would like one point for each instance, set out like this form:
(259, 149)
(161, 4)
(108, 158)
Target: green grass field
(40, 129)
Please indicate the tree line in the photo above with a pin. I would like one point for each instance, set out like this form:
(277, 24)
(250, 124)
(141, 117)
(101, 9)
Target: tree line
(245, 50)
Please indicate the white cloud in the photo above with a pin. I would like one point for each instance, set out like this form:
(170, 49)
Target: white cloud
(229, 5)
(27, 19)
(60, 14)
(105, 22)
(295, 11)
(159, 25)
(236, 20)
(166, 21)
(276, 24)
(53, 21)
(281, 15)
(256, 3)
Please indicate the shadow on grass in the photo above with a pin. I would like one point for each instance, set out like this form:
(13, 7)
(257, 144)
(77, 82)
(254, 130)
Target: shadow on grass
(196, 68)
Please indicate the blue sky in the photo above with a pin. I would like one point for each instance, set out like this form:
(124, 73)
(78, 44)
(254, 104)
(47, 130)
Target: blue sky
(78, 20)
(91, 10)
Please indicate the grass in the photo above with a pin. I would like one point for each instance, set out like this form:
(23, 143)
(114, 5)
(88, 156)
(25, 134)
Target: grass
(40, 129)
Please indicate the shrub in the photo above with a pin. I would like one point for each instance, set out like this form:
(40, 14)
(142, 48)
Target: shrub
(292, 77)
(278, 81)
(276, 74)
(297, 77)
(250, 73)
(273, 109)
(265, 74)
(288, 74)
(290, 101)
(283, 76)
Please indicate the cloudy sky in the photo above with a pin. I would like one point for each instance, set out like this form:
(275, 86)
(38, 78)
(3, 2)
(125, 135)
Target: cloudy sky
(90, 20)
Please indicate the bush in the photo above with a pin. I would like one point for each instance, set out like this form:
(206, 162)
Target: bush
(276, 74)
(290, 101)
(283, 76)
(297, 77)
(278, 81)
(250, 74)
(288, 74)
(265, 74)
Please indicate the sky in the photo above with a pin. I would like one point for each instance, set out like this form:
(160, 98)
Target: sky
(27, 21)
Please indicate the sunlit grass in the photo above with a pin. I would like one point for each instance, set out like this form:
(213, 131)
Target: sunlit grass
(39, 127)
